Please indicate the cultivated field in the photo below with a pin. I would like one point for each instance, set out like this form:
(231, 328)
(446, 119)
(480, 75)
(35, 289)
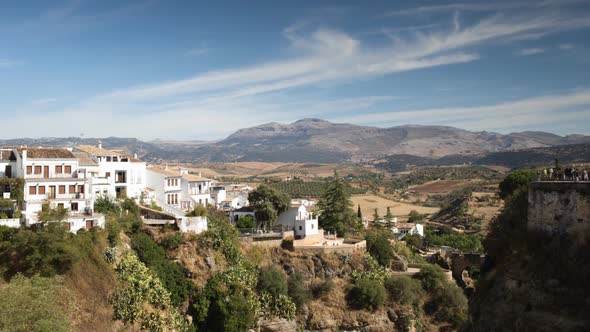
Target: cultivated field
(369, 203)
(274, 169)
(442, 186)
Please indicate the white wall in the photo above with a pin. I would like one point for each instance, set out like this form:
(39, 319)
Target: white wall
(192, 224)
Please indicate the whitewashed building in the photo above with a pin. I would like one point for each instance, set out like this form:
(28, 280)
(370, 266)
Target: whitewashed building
(52, 176)
(403, 229)
(113, 173)
(300, 219)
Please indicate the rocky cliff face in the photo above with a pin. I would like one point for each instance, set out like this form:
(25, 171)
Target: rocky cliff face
(532, 280)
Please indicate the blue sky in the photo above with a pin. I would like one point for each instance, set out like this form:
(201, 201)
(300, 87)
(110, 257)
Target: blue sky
(200, 70)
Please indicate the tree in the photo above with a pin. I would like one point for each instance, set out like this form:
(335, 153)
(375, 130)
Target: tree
(516, 180)
(335, 205)
(379, 247)
(268, 204)
(359, 213)
(376, 215)
(388, 216)
(105, 204)
(414, 216)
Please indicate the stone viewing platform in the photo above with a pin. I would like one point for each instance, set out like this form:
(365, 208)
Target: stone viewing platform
(558, 207)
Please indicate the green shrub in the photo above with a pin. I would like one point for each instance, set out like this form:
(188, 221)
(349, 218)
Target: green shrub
(245, 222)
(273, 281)
(228, 302)
(448, 304)
(366, 294)
(198, 211)
(432, 277)
(171, 274)
(297, 289)
(141, 298)
(516, 180)
(3, 215)
(36, 304)
(173, 241)
(105, 204)
(404, 290)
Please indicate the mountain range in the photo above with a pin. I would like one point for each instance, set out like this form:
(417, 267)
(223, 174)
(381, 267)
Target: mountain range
(315, 140)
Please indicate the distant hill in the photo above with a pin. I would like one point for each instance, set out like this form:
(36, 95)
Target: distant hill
(315, 140)
(566, 154)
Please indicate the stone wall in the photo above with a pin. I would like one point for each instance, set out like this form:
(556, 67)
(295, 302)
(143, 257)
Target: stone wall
(557, 207)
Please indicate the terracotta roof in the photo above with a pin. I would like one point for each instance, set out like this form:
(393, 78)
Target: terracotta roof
(6, 154)
(47, 153)
(84, 159)
(166, 172)
(96, 151)
(193, 177)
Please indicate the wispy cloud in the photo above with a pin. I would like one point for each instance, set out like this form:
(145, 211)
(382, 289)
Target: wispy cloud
(531, 111)
(198, 51)
(566, 46)
(478, 7)
(317, 57)
(7, 63)
(530, 51)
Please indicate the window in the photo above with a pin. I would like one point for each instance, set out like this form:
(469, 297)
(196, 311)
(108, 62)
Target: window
(300, 228)
(109, 159)
(72, 189)
(60, 205)
(41, 190)
(37, 169)
(32, 190)
(62, 189)
(58, 169)
(68, 169)
(115, 159)
(29, 169)
(81, 189)
(108, 174)
(74, 206)
(312, 226)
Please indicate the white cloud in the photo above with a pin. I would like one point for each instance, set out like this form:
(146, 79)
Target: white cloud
(213, 103)
(566, 46)
(530, 51)
(532, 111)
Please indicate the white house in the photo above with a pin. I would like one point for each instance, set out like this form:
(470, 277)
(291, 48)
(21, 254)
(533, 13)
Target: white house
(300, 219)
(115, 173)
(234, 203)
(407, 228)
(167, 186)
(52, 176)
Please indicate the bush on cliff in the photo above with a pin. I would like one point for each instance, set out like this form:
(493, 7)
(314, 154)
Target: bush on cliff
(366, 294)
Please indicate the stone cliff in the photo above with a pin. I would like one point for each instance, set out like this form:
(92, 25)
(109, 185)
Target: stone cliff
(535, 277)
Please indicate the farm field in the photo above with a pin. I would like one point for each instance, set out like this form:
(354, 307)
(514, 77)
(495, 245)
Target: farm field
(441, 186)
(274, 169)
(369, 203)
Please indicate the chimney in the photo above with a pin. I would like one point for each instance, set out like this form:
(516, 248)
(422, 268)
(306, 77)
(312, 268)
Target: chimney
(100, 144)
